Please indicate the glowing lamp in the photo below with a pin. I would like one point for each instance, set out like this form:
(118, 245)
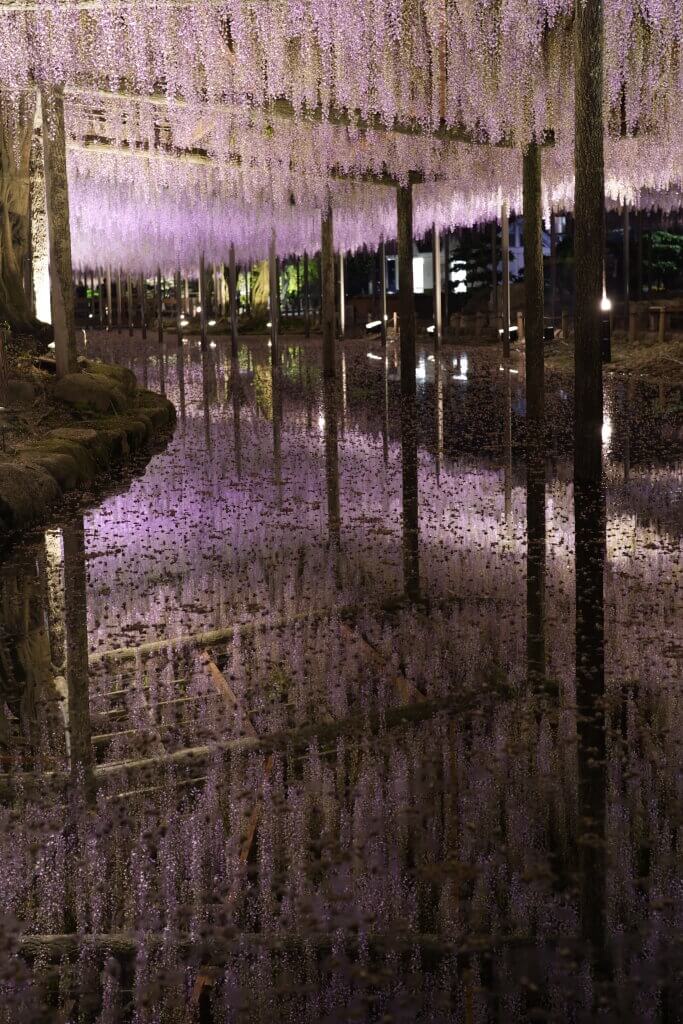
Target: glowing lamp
(605, 304)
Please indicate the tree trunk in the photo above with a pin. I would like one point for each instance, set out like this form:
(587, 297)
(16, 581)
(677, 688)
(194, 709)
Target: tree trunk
(327, 296)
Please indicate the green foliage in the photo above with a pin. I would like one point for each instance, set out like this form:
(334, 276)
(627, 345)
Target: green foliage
(665, 250)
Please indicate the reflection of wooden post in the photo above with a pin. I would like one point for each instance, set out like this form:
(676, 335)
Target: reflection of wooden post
(494, 272)
(59, 232)
(327, 293)
(332, 462)
(411, 527)
(553, 266)
(232, 295)
(76, 640)
(406, 298)
(342, 297)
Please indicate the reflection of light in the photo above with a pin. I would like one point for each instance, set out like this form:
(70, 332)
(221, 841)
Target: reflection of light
(510, 370)
(464, 364)
(421, 370)
(212, 344)
(512, 330)
(605, 303)
(430, 359)
(459, 376)
(321, 421)
(606, 430)
(270, 344)
(373, 355)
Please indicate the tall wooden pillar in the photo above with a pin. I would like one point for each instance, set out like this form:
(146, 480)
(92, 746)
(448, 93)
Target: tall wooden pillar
(178, 289)
(110, 302)
(160, 308)
(436, 263)
(494, 274)
(505, 247)
(232, 290)
(627, 261)
(589, 498)
(307, 298)
(383, 288)
(202, 301)
(327, 293)
(119, 302)
(342, 296)
(143, 306)
(131, 311)
(101, 285)
(274, 301)
(406, 299)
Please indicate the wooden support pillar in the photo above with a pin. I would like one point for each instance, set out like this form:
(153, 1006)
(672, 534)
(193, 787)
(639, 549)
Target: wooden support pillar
(494, 274)
(129, 297)
(520, 320)
(307, 298)
(640, 256)
(406, 299)
(342, 297)
(110, 302)
(505, 247)
(178, 289)
(661, 328)
(383, 288)
(119, 303)
(589, 498)
(160, 308)
(627, 261)
(232, 290)
(143, 306)
(327, 294)
(436, 264)
(409, 493)
(101, 286)
(274, 302)
(203, 298)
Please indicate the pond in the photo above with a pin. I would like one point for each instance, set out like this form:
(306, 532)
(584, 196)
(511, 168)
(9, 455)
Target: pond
(291, 727)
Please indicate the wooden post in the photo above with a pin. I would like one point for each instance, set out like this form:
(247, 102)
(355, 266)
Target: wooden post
(589, 498)
(383, 285)
(131, 313)
(3, 367)
(565, 325)
(632, 323)
(436, 264)
(232, 295)
(186, 296)
(101, 285)
(520, 316)
(639, 267)
(160, 309)
(307, 298)
(143, 306)
(553, 267)
(331, 429)
(494, 273)
(119, 302)
(110, 302)
(505, 246)
(661, 332)
(409, 481)
(274, 302)
(327, 294)
(178, 287)
(627, 261)
(202, 301)
(342, 297)
(406, 299)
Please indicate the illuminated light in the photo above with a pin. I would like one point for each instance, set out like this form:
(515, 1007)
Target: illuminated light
(212, 323)
(605, 303)
(464, 363)
(421, 370)
(607, 430)
(513, 330)
(373, 355)
(418, 275)
(430, 359)
(199, 309)
(51, 345)
(371, 324)
(510, 370)
(321, 421)
(184, 323)
(431, 329)
(270, 344)
(90, 316)
(459, 376)
(269, 324)
(212, 344)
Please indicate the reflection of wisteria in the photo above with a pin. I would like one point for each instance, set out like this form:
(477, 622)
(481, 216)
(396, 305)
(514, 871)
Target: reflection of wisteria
(339, 802)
